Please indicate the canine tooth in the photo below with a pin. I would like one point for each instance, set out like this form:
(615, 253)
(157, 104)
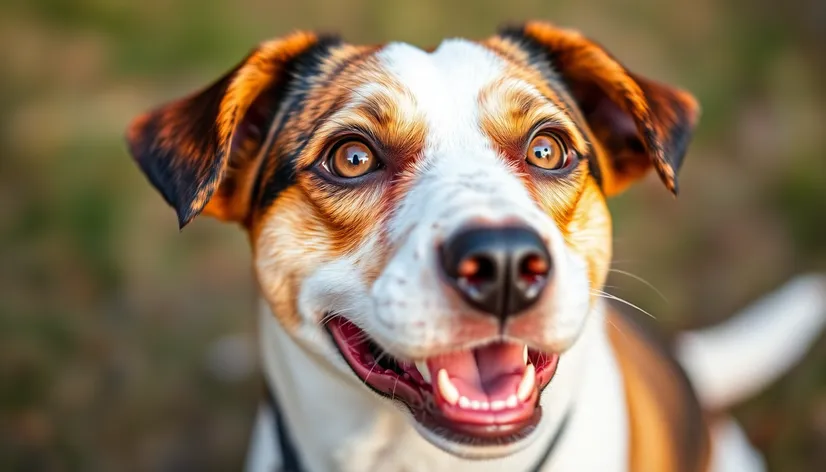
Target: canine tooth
(464, 402)
(421, 366)
(512, 401)
(527, 384)
(497, 405)
(448, 391)
(475, 405)
(525, 354)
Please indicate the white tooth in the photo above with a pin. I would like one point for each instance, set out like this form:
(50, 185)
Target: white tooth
(512, 401)
(497, 405)
(446, 388)
(464, 402)
(485, 406)
(527, 384)
(421, 366)
(525, 354)
(475, 405)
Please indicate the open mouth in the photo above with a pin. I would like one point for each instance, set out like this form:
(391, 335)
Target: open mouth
(481, 396)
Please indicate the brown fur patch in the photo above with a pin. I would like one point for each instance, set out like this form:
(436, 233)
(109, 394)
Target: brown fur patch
(667, 428)
(588, 233)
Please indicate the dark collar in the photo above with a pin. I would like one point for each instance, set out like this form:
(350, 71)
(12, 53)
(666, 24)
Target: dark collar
(549, 449)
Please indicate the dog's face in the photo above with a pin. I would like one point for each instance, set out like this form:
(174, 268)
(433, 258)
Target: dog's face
(432, 223)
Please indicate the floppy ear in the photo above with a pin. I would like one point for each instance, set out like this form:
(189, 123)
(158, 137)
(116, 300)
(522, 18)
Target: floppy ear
(200, 152)
(635, 121)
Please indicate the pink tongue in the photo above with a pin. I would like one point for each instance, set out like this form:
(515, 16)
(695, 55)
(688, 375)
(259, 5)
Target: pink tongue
(488, 373)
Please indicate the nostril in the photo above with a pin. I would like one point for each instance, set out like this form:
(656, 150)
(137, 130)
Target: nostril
(476, 270)
(532, 273)
(533, 267)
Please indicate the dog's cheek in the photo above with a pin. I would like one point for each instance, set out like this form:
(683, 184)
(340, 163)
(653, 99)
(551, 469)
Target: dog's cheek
(588, 233)
(289, 243)
(348, 217)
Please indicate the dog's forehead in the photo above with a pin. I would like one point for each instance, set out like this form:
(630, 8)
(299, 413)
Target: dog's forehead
(453, 74)
(445, 84)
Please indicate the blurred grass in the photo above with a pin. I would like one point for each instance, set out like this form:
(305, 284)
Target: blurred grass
(108, 314)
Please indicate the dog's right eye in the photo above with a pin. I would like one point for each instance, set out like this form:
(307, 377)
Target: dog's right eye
(351, 159)
(547, 151)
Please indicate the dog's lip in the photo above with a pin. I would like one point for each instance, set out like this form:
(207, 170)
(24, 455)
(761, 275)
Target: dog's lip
(402, 381)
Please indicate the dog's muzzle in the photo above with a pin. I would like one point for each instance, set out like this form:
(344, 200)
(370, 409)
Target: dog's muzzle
(487, 393)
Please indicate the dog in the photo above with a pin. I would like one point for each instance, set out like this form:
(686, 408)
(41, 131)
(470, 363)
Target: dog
(431, 237)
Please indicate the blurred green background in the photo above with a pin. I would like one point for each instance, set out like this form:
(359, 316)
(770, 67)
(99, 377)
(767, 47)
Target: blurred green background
(127, 345)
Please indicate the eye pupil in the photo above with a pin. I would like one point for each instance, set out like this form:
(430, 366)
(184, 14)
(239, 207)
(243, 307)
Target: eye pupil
(357, 155)
(352, 159)
(356, 158)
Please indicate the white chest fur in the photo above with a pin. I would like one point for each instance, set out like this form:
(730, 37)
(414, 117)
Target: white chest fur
(337, 424)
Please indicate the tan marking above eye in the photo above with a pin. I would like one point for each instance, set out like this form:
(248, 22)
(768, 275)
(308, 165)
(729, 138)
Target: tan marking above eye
(547, 151)
(352, 159)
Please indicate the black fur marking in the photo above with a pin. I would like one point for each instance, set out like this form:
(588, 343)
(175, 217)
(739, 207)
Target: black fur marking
(538, 54)
(679, 136)
(302, 73)
(179, 178)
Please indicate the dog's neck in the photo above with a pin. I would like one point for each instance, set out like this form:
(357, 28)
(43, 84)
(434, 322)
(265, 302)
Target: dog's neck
(337, 424)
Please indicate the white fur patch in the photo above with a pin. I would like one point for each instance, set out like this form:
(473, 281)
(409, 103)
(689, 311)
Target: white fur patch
(460, 181)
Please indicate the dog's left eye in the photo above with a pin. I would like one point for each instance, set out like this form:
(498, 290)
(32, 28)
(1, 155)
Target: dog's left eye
(351, 159)
(548, 151)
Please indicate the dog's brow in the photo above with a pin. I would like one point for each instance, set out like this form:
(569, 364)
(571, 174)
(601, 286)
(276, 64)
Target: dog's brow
(511, 108)
(385, 113)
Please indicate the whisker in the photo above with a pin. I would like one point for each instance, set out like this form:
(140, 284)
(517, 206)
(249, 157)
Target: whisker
(327, 318)
(626, 302)
(395, 384)
(357, 338)
(360, 336)
(641, 280)
(350, 316)
(367, 377)
(625, 261)
(617, 328)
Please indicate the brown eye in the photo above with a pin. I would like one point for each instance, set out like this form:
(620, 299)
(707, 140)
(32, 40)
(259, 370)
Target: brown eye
(547, 152)
(352, 159)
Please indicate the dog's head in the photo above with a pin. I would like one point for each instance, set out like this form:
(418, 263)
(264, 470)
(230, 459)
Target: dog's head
(432, 222)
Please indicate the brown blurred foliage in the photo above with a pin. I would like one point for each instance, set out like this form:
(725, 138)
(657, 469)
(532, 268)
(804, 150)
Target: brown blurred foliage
(113, 353)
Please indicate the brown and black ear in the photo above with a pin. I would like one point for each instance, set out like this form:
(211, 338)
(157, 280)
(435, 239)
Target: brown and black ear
(200, 151)
(637, 123)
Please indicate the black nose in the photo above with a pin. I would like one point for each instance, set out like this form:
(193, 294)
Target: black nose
(500, 271)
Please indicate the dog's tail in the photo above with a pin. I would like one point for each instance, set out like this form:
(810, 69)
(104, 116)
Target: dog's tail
(733, 361)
